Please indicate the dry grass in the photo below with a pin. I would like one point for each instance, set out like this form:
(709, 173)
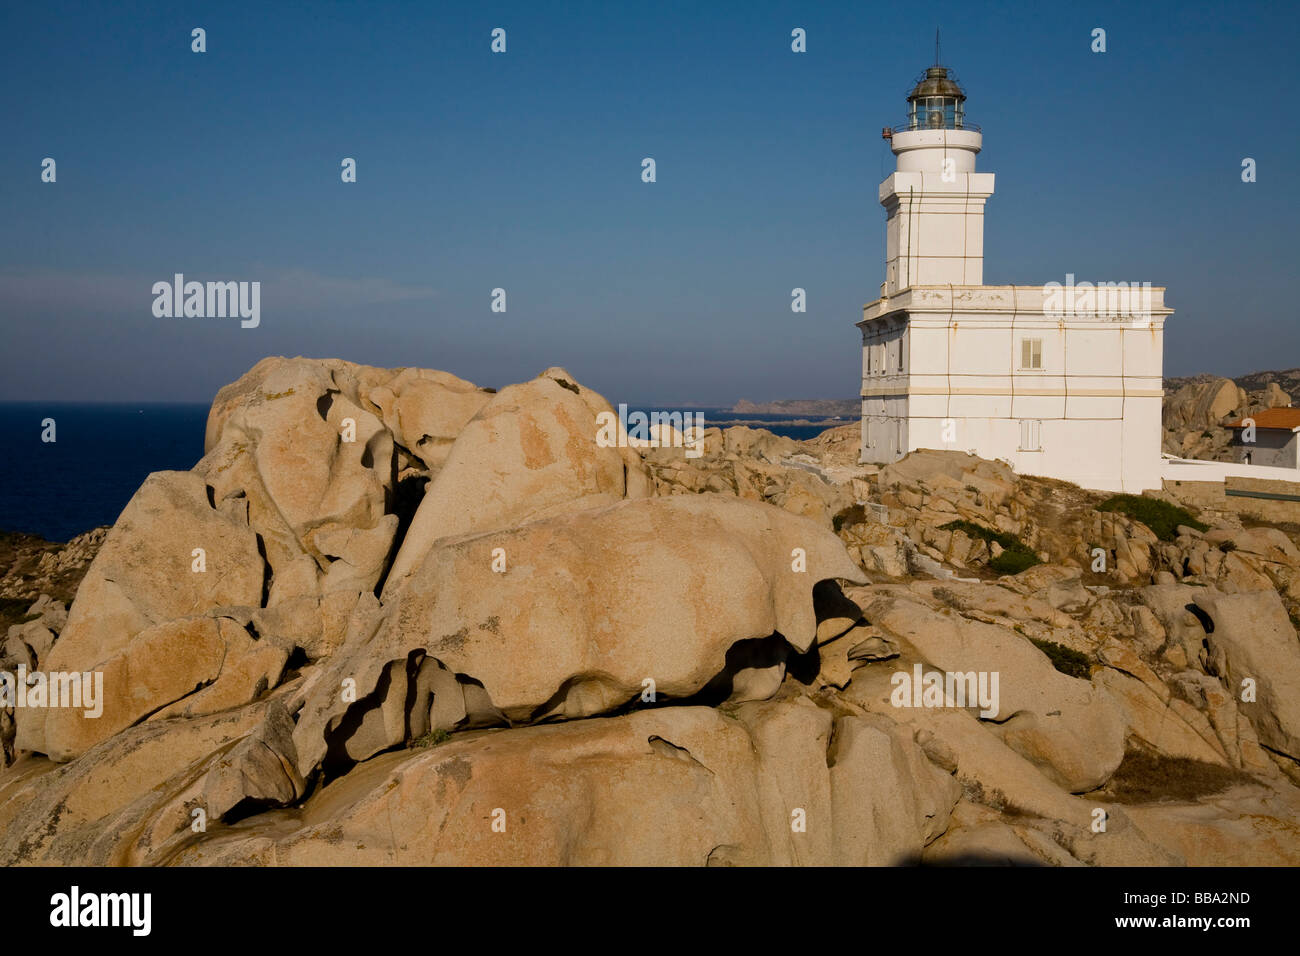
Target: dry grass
(1145, 777)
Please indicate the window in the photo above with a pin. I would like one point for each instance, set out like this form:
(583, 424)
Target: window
(1031, 353)
(1031, 435)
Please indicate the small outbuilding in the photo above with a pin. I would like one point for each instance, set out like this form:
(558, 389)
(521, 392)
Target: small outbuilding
(1267, 438)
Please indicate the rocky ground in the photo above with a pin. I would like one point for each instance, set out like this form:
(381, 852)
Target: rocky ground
(472, 635)
(1197, 408)
(31, 566)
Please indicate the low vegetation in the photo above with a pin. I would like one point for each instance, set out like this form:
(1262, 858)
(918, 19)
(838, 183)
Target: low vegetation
(1067, 660)
(1149, 778)
(1161, 517)
(1016, 556)
(432, 739)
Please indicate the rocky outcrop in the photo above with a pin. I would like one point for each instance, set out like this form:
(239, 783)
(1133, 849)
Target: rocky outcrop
(391, 617)
(1196, 410)
(711, 790)
(710, 574)
(528, 454)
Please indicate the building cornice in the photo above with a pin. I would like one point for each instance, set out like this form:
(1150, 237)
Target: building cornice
(1008, 392)
(1091, 304)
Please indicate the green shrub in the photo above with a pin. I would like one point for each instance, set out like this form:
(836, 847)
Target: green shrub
(1065, 659)
(432, 739)
(1160, 516)
(1015, 556)
(1014, 561)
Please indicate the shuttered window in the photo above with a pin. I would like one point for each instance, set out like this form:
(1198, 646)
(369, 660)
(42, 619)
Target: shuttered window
(1031, 435)
(1031, 353)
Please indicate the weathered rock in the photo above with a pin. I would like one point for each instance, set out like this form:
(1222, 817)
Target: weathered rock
(530, 453)
(426, 410)
(1065, 726)
(986, 766)
(29, 644)
(291, 440)
(658, 589)
(76, 813)
(1156, 723)
(548, 583)
(887, 799)
(1252, 640)
(143, 578)
(1203, 405)
(1245, 826)
(166, 663)
(979, 837)
(658, 787)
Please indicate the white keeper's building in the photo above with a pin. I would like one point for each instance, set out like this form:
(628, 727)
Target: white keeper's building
(1062, 380)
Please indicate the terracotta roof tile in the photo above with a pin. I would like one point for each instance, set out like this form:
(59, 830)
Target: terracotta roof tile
(1288, 418)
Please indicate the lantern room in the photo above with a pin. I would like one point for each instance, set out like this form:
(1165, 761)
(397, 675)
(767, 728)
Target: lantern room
(936, 102)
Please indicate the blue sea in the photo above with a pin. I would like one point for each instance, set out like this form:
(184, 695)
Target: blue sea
(103, 452)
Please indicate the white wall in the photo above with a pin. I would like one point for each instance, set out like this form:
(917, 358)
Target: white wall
(1188, 469)
(1096, 400)
(1274, 447)
(934, 232)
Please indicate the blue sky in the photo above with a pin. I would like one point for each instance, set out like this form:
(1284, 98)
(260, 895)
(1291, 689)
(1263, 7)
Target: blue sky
(522, 171)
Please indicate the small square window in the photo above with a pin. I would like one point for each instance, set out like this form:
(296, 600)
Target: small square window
(1031, 353)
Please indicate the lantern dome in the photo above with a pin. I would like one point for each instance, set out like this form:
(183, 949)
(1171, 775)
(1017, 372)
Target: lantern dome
(936, 102)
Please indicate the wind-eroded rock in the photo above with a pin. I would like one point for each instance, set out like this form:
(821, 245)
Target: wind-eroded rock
(1253, 644)
(638, 655)
(143, 578)
(582, 609)
(1069, 728)
(123, 800)
(707, 790)
(529, 453)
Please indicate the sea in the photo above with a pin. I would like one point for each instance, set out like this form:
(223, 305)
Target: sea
(102, 453)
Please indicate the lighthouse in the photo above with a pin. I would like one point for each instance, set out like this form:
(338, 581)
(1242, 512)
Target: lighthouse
(1062, 380)
(935, 199)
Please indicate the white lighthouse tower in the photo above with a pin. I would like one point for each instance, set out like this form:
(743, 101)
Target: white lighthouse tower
(1062, 380)
(935, 199)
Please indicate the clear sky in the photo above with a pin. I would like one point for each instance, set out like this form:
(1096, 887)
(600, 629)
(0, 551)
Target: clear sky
(522, 171)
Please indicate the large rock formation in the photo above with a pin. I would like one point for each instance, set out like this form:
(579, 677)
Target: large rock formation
(1196, 409)
(391, 617)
